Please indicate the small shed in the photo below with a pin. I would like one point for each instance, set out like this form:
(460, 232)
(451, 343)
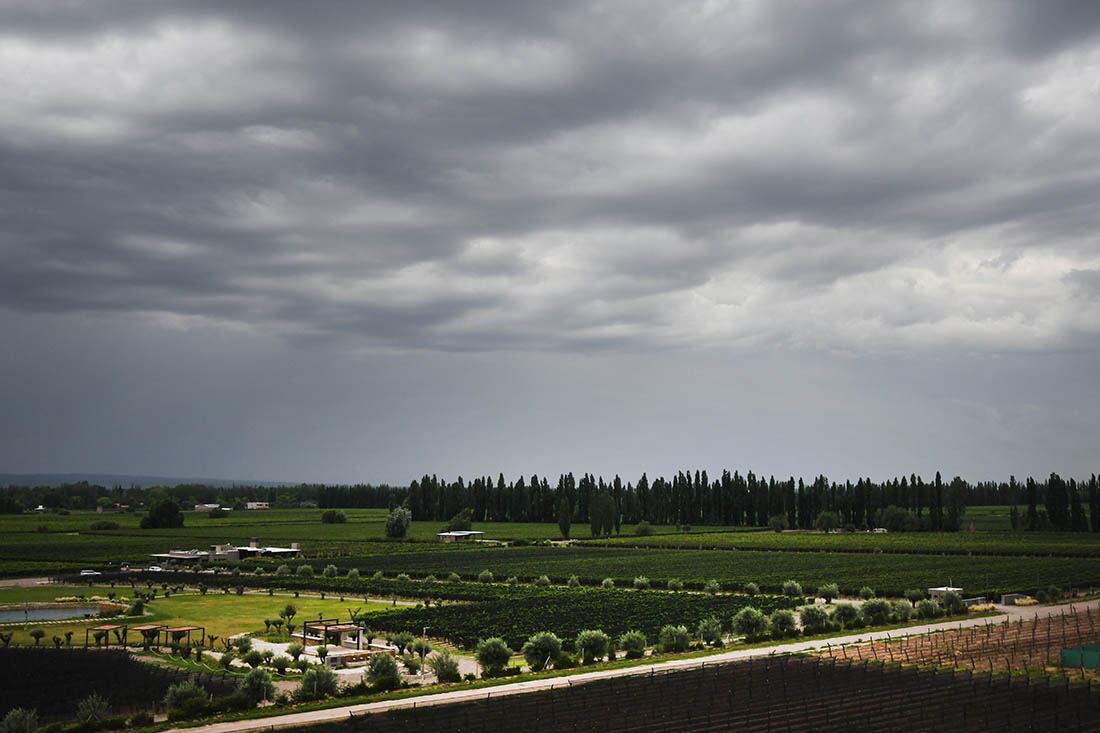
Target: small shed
(461, 535)
(937, 594)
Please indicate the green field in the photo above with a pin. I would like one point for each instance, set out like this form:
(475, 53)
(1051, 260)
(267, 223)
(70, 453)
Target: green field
(221, 614)
(48, 544)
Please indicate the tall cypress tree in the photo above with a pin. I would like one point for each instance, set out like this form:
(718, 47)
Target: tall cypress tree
(1094, 504)
(1032, 502)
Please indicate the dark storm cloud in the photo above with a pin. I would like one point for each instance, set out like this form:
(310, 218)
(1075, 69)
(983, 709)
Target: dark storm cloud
(483, 176)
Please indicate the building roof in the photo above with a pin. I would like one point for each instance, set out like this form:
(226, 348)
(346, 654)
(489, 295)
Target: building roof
(460, 533)
(946, 589)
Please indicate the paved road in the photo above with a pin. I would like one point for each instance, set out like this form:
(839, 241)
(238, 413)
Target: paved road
(519, 688)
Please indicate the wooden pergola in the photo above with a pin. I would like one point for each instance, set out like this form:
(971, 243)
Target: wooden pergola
(175, 634)
(150, 633)
(327, 626)
(104, 632)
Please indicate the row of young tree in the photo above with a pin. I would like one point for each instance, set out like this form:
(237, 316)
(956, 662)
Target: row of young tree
(688, 498)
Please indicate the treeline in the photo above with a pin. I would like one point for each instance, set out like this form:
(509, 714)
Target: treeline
(688, 498)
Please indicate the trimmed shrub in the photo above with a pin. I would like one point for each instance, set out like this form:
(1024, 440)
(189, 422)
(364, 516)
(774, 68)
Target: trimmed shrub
(541, 650)
(866, 592)
(318, 682)
(257, 686)
(750, 623)
(783, 624)
(304, 571)
(846, 615)
(914, 595)
(333, 516)
(281, 663)
(574, 582)
(927, 609)
(828, 591)
(382, 672)
(641, 583)
(710, 631)
(953, 604)
(712, 587)
(542, 581)
(454, 577)
(675, 584)
(485, 576)
(445, 666)
(876, 612)
(283, 570)
(607, 583)
(493, 654)
(673, 638)
(185, 695)
(750, 589)
(902, 610)
(19, 720)
(330, 571)
(353, 574)
(632, 643)
(643, 529)
(814, 619)
(403, 577)
(592, 645)
(792, 588)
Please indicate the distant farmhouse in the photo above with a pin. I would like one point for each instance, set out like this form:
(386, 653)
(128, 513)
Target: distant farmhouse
(228, 552)
(257, 505)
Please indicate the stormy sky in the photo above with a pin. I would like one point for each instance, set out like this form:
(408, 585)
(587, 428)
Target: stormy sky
(367, 241)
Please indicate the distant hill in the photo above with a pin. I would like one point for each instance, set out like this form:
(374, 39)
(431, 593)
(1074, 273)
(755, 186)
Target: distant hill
(109, 479)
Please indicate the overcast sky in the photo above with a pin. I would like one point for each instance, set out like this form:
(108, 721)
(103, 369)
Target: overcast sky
(367, 241)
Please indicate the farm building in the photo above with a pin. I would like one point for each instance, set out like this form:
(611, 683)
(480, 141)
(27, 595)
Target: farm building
(257, 505)
(229, 552)
(459, 535)
(937, 594)
(207, 507)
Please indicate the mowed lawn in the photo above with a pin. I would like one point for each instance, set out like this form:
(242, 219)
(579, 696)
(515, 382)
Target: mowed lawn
(221, 614)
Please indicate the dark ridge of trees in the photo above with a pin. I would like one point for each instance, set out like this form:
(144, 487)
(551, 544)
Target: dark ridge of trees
(687, 498)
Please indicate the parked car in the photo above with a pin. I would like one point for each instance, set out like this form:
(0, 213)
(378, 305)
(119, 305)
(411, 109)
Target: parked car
(124, 567)
(85, 573)
(155, 569)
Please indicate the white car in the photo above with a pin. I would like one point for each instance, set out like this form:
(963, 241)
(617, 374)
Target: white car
(86, 573)
(155, 569)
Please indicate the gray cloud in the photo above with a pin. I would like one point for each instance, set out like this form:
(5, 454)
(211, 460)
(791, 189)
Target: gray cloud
(559, 176)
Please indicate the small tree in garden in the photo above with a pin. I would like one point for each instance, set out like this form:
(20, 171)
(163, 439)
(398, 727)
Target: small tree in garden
(953, 604)
(445, 666)
(641, 583)
(283, 570)
(5, 638)
(295, 650)
(281, 663)
(68, 638)
(382, 672)
(866, 592)
(574, 582)
(57, 642)
(243, 644)
(37, 635)
(828, 591)
(914, 595)
(485, 576)
(902, 609)
(402, 640)
(607, 583)
(493, 654)
(353, 574)
(672, 638)
(421, 648)
(542, 581)
(185, 696)
(750, 589)
(253, 658)
(750, 622)
(712, 587)
(782, 623)
(322, 653)
(675, 584)
(317, 684)
(792, 588)
(258, 686)
(226, 660)
(330, 571)
(304, 571)
(633, 643)
(710, 631)
(593, 645)
(541, 650)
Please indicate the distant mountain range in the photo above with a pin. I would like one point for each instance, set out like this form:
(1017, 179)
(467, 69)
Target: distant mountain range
(122, 479)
